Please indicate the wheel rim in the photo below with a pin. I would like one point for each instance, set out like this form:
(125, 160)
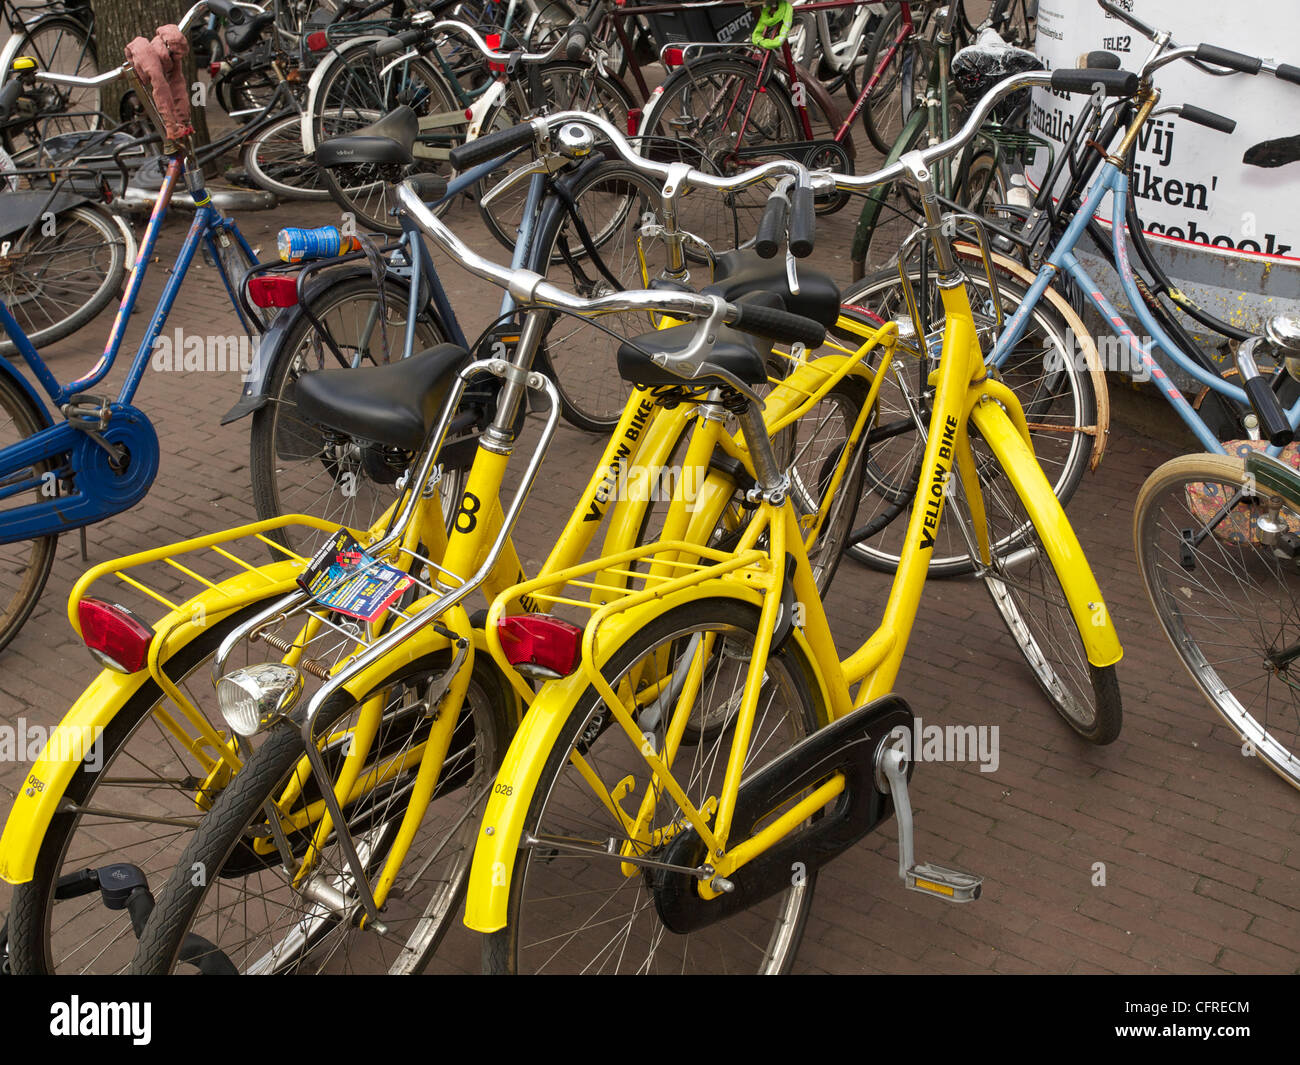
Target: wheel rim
(582, 914)
(1234, 615)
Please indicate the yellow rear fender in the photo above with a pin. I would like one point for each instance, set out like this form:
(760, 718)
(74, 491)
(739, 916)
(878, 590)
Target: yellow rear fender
(499, 832)
(73, 740)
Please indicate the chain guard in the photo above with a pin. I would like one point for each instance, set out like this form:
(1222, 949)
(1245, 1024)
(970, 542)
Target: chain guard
(847, 746)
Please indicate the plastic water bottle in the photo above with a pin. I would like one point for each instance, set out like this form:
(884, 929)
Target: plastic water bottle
(298, 245)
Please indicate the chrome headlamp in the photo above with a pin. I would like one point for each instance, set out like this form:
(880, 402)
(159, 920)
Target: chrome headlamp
(253, 697)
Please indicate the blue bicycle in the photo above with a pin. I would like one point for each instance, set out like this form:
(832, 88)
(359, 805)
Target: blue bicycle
(82, 457)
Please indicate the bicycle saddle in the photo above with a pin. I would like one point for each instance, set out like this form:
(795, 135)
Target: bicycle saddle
(734, 352)
(238, 38)
(738, 273)
(389, 140)
(392, 404)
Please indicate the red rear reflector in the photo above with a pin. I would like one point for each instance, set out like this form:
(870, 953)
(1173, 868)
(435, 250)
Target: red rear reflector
(115, 636)
(539, 645)
(317, 42)
(214, 68)
(273, 291)
(633, 120)
(494, 42)
(673, 57)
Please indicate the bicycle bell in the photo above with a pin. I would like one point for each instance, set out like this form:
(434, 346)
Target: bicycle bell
(575, 140)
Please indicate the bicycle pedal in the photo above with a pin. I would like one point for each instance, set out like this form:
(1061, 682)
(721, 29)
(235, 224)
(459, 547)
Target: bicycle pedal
(950, 884)
(88, 413)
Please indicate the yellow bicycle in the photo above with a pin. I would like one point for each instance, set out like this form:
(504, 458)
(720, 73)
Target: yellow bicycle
(704, 755)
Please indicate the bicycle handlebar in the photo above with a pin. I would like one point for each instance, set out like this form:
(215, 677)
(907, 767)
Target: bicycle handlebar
(447, 25)
(531, 289)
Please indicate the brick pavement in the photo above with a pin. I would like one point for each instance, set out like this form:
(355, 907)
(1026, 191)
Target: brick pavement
(1202, 868)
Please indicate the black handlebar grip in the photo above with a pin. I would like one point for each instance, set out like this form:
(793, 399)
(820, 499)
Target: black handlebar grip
(1113, 82)
(1100, 61)
(579, 37)
(1206, 118)
(772, 324)
(482, 149)
(1272, 418)
(228, 11)
(1286, 72)
(399, 42)
(803, 223)
(430, 187)
(9, 93)
(1226, 57)
(771, 226)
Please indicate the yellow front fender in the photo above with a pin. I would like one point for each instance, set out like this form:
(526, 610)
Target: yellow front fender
(1082, 593)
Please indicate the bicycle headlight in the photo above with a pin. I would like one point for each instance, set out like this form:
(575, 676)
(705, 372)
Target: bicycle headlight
(253, 697)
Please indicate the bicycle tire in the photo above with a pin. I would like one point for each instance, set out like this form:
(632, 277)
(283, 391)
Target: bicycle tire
(902, 81)
(618, 204)
(24, 565)
(693, 122)
(1055, 389)
(63, 45)
(225, 845)
(80, 934)
(275, 160)
(563, 805)
(295, 466)
(58, 282)
(565, 86)
(1233, 657)
(1027, 593)
(351, 95)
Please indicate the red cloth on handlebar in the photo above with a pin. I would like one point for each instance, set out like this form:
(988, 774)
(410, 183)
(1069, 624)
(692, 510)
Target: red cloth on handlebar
(158, 65)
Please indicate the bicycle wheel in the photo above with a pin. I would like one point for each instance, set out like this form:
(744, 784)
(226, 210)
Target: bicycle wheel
(1027, 593)
(902, 80)
(247, 907)
(578, 912)
(1225, 597)
(565, 87)
(275, 160)
(60, 45)
(299, 467)
(353, 94)
(619, 207)
(701, 120)
(24, 565)
(132, 801)
(62, 273)
(1045, 372)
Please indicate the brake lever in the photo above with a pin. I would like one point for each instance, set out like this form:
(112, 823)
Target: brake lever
(547, 164)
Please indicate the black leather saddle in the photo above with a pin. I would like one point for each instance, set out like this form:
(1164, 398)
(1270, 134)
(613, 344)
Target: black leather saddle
(393, 404)
(738, 273)
(739, 354)
(389, 140)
